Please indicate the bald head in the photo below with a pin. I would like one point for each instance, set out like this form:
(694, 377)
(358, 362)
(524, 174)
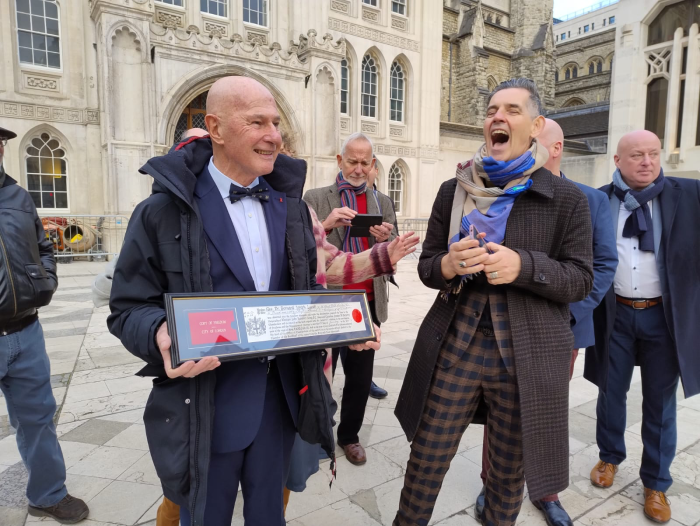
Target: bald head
(243, 123)
(229, 93)
(552, 138)
(638, 158)
(194, 132)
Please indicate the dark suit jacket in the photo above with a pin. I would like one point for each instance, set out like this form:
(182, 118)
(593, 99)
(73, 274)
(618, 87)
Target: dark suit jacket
(604, 266)
(550, 228)
(240, 390)
(675, 219)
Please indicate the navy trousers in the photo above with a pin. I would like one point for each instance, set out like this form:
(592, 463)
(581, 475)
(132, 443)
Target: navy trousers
(261, 468)
(641, 337)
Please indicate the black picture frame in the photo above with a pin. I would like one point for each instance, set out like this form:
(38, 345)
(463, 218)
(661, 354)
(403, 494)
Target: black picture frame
(238, 326)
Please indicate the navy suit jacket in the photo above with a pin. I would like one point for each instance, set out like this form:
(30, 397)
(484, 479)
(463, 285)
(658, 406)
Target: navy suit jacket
(240, 390)
(675, 219)
(604, 266)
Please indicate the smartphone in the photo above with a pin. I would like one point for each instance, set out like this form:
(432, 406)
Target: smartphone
(361, 223)
(474, 234)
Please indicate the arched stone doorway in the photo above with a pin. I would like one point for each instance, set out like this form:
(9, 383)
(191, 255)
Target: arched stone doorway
(192, 116)
(178, 118)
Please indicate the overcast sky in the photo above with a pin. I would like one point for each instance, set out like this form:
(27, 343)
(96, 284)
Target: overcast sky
(564, 7)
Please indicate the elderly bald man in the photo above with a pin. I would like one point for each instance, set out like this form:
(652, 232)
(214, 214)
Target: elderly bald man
(604, 265)
(649, 316)
(213, 224)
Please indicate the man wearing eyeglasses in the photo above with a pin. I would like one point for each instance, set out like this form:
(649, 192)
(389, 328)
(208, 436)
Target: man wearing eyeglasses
(27, 282)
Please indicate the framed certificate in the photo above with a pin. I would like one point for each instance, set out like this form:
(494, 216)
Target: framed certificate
(257, 324)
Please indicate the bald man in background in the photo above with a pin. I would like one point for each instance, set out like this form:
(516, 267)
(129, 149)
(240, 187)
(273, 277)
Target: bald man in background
(581, 312)
(649, 317)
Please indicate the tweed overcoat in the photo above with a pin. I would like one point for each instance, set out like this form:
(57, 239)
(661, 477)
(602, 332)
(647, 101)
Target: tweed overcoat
(324, 200)
(550, 227)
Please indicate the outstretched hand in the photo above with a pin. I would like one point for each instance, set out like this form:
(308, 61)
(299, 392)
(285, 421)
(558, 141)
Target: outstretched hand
(402, 246)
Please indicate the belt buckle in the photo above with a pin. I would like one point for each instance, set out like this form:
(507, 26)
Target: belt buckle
(644, 302)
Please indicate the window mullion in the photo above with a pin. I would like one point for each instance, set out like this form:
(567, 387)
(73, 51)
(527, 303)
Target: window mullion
(672, 141)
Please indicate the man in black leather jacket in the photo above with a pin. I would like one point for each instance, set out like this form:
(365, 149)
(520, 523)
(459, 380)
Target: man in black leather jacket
(27, 282)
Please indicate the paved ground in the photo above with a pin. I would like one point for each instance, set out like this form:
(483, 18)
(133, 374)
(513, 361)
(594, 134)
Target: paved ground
(103, 441)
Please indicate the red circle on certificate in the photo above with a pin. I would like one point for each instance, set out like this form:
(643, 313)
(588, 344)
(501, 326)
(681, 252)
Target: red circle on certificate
(357, 316)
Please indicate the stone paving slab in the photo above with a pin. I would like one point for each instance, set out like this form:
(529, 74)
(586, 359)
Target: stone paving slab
(102, 436)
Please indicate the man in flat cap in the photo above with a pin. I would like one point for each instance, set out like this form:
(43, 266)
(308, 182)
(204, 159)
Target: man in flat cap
(27, 282)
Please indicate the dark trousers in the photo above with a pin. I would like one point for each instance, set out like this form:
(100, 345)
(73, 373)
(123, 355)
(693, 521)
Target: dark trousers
(485, 464)
(641, 337)
(261, 468)
(358, 367)
(454, 395)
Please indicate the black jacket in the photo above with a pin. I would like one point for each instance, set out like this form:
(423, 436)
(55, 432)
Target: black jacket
(165, 250)
(27, 266)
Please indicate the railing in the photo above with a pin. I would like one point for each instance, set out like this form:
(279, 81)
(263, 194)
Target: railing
(93, 238)
(589, 9)
(419, 226)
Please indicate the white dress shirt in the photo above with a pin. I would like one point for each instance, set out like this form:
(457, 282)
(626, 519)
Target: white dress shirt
(637, 276)
(248, 220)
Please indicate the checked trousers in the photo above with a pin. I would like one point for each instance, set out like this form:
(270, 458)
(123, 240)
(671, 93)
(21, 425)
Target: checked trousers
(470, 366)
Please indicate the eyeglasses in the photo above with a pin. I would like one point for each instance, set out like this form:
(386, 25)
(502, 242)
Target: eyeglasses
(3, 142)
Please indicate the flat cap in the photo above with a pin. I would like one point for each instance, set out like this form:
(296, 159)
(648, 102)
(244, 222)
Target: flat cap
(7, 134)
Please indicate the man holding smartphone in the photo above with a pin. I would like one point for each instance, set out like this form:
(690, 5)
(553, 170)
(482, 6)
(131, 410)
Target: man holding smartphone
(336, 205)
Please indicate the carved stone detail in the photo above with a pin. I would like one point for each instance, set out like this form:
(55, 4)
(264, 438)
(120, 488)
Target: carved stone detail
(42, 83)
(48, 113)
(215, 30)
(373, 34)
(399, 23)
(257, 37)
(369, 127)
(345, 125)
(400, 151)
(169, 19)
(342, 6)
(325, 47)
(398, 132)
(371, 15)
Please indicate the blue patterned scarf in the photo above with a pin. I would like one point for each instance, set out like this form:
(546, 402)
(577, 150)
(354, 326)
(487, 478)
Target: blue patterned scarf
(638, 224)
(348, 197)
(488, 208)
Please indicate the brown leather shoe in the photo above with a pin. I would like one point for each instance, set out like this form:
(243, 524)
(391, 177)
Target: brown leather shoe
(603, 474)
(355, 453)
(656, 506)
(69, 511)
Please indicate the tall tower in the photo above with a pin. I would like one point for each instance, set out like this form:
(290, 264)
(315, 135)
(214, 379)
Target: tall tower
(533, 53)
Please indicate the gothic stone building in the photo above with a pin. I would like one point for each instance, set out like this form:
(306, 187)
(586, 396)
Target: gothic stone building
(95, 88)
(484, 43)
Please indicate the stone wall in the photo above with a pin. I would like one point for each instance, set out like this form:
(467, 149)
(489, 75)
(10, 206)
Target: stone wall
(500, 39)
(589, 89)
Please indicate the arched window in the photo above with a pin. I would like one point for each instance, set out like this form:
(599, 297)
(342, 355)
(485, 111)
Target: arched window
(570, 72)
(398, 92)
(573, 102)
(192, 116)
(683, 14)
(370, 79)
(344, 87)
(396, 187)
(47, 173)
(38, 35)
(595, 66)
(492, 83)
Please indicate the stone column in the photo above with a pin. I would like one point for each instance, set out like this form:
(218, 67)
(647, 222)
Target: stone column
(125, 91)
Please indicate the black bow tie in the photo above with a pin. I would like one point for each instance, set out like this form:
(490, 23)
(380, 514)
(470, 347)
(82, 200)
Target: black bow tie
(236, 193)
